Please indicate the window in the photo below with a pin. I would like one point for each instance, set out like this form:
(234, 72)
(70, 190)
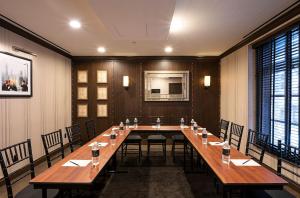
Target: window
(277, 67)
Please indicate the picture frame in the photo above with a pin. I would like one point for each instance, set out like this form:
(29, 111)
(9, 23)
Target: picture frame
(102, 93)
(82, 110)
(102, 110)
(82, 76)
(15, 76)
(82, 93)
(101, 76)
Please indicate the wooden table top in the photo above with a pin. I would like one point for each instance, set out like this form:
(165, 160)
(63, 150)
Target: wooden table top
(228, 174)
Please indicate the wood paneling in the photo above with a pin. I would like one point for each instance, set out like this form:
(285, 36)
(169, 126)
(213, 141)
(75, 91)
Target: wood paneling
(129, 102)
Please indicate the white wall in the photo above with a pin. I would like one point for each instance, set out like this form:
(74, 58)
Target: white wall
(48, 109)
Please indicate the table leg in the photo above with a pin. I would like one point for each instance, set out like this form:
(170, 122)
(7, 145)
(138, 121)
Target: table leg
(184, 150)
(44, 192)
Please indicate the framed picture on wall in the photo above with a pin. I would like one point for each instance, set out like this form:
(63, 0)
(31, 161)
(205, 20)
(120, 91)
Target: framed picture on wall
(82, 76)
(101, 93)
(82, 93)
(82, 110)
(101, 76)
(102, 110)
(15, 75)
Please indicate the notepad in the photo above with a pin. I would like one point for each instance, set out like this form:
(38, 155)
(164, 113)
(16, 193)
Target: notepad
(216, 143)
(77, 163)
(207, 133)
(244, 162)
(102, 144)
(131, 127)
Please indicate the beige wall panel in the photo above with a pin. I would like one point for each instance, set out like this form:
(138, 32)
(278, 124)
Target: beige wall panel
(50, 107)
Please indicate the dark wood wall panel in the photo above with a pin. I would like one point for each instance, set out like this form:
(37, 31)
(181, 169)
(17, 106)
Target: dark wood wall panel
(204, 104)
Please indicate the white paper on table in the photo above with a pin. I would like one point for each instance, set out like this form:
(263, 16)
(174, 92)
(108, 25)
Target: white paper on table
(185, 127)
(207, 134)
(154, 127)
(115, 128)
(239, 162)
(131, 127)
(102, 144)
(81, 163)
(217, 143)
(108, 134)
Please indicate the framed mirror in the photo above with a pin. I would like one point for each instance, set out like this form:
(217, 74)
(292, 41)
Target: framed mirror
(166, 85)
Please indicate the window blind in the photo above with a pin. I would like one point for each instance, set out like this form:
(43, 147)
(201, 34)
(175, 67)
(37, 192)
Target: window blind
(277, 76)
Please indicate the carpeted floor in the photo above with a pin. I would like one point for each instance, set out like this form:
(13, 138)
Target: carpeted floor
(158, 179)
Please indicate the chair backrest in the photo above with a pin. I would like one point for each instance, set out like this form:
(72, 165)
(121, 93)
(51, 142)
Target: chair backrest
(53, 142)
(74, 136)
(11, 158)
(236, 133)
(90, 129)
(256, 145)
(288, 159)
(224, 125)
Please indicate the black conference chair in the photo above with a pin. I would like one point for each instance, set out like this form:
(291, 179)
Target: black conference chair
(90, 129)
(10, 160)
(236, 133)
(51, 142)
(177, 139)
(132, 140)
(74, 136)
(157, 140)
(256, 145)
(288, 159)
(224, 125)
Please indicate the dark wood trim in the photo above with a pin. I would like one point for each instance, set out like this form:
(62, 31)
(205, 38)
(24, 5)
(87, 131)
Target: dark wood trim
(138, 58)
(28, 34)
(277, 32)
(278, 20)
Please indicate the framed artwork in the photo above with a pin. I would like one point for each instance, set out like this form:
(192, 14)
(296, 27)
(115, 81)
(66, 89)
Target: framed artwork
(82, 76)
(82, 110)
(101, 76)
(101, 93)
(82, 93)
(102, 110)
(15, 75)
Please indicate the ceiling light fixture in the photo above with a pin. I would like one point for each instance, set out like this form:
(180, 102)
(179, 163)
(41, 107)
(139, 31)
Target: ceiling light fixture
(176, 25)
(168, 49)
(101, 49)
(75, 24)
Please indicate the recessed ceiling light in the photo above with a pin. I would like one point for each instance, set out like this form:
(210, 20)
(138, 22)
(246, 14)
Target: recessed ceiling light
(75, 24)
(168, 49)
(101, 49)
(176, 25)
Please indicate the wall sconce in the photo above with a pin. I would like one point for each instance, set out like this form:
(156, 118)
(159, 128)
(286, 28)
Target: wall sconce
(125, 81)
(206, 81)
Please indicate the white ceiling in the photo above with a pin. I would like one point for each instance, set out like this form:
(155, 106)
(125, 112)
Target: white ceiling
(141, 27)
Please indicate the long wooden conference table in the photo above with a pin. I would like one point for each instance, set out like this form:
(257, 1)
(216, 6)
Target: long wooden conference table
(231, 176)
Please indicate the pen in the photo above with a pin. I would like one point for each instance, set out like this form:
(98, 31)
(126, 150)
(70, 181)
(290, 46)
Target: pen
(246, 161)
(74, 163)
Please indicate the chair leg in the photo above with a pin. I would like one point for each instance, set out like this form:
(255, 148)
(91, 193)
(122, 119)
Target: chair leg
(148, 150)
(140, 152)
(122, 152)
(165, 150)
(126, 149)
(173, 150)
